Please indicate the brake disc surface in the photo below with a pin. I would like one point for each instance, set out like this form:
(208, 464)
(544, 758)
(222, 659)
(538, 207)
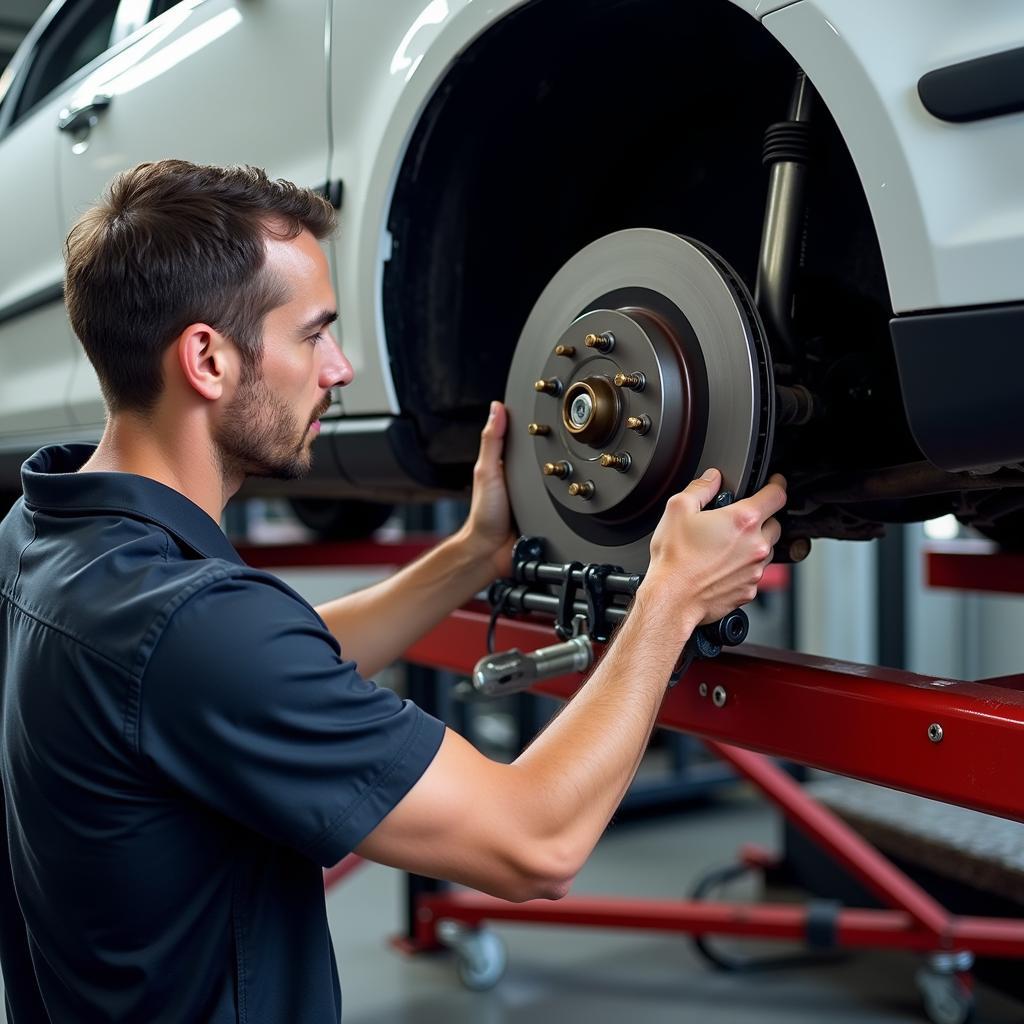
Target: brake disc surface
(642, 363)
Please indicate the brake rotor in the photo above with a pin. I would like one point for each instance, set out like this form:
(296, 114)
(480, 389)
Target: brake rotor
(643, 363)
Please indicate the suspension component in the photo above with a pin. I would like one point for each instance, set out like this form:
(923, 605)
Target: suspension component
(551, 386)
(641, 424)
(583, 490)
(565, 350)
(539, 429)
(787, 149)
(561, 469)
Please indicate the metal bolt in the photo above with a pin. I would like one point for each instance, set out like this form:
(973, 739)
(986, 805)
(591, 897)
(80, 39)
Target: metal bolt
(799, 549)
(539, 429)
(703, 689)
(633, 381)
(604, 342)
(719, 696)
(559, 469)
(641, 424)
(620, 461)
(549, 387)
(565, 350)
(583, 490)
(935, 732)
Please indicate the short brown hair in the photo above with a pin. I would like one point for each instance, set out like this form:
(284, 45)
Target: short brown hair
(174, 243)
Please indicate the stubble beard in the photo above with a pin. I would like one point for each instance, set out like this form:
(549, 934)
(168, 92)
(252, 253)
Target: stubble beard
(259, 436)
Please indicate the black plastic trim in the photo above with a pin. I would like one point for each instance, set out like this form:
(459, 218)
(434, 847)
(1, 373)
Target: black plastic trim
(333, 191)
(38, 299)
(961, 372)
(987, 86)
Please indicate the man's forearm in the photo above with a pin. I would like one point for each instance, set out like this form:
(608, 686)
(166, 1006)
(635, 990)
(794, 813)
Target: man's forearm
(375, 625)
(580, 767)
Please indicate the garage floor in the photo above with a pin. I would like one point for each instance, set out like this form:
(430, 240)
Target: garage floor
(566, 976)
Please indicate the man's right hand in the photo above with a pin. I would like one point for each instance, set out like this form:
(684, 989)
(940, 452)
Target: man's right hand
(713, 560)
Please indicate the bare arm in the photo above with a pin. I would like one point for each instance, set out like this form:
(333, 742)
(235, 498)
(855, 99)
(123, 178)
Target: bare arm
(374, 626)
(523, 830)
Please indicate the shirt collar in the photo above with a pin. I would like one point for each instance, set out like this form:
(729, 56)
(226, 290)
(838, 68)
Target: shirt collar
(50, 481)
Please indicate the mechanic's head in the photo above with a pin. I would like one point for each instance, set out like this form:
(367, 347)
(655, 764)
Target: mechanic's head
(204, 291)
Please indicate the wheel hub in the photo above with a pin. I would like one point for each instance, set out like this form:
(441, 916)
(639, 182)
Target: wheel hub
(648, 362)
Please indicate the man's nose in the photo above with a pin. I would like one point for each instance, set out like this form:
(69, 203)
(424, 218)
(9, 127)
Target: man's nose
(335, 370)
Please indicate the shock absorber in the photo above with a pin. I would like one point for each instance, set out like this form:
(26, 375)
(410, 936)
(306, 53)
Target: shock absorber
(787, 149)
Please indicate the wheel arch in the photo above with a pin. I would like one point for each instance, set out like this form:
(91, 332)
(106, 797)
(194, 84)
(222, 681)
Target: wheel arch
(459, 267)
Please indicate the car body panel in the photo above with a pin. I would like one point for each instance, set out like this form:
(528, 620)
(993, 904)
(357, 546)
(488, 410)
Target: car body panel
(325, 90)
(37, 347)
(946, 199)
(156, 111)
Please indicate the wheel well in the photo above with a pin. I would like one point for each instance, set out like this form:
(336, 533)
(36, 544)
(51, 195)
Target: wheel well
(574, 118)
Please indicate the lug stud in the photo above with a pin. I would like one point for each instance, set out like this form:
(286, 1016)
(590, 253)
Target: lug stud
(539, 429)
(559, 469)
(565, 350)
(604, 342)
(620, 461)
(641, 424)
(583, 490)
(633, 381)
(552, 386)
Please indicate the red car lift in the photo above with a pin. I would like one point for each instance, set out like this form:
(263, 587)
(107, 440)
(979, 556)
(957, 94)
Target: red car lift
(950, 740)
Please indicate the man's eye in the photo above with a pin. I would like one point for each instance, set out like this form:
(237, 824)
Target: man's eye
(316, 338)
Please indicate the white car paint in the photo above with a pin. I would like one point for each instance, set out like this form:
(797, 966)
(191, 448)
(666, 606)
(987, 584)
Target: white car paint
(946, 199)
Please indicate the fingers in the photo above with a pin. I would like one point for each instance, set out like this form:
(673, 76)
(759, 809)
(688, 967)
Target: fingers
(772, 531)
(492, 439)
(703, 490)
(770, 499)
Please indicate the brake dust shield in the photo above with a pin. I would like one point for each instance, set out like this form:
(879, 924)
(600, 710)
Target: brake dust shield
(643, 363)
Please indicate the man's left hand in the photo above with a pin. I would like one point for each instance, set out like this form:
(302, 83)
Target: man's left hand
(489, 526)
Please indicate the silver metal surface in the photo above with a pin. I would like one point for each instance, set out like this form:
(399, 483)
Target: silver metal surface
(513, 671)
(935, 732)
(720, 313)
(719, 696)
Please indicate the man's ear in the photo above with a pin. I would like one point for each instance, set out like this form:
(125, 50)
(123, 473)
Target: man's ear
(207, 359)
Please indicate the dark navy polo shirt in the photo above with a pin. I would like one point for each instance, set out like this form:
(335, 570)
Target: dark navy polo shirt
(183, 747)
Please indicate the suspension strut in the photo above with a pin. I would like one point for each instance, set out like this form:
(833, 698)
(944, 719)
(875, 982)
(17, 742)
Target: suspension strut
(787, 151)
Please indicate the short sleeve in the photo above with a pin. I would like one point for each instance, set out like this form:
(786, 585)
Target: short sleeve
(247, 706)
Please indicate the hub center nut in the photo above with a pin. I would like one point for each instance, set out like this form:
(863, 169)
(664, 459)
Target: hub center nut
(591, 410)
(581, 409)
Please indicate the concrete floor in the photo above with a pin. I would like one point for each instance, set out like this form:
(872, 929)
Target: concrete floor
(564, 976)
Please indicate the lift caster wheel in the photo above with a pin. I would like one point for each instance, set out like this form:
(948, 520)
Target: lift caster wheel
(480, 955)
(946, 990)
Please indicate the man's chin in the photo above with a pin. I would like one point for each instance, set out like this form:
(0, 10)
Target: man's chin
(294, 469)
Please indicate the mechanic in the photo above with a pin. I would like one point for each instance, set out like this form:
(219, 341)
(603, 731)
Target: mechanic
(186, 741)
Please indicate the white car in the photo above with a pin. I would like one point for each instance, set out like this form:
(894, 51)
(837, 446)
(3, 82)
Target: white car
(516, 176)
